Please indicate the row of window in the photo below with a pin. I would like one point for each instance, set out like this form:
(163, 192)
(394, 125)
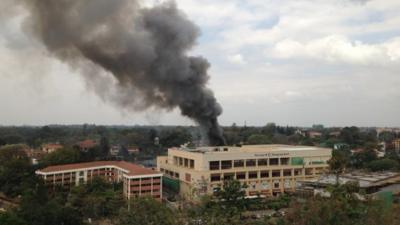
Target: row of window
(145, 185)
(228, 164)
(260, 174)
(145, 191)
(145, 179)
(184, 162)
(170, 173)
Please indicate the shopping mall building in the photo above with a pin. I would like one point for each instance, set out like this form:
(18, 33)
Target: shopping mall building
(137, 180)
(266, 169)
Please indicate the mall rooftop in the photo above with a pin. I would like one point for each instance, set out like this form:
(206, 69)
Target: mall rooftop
(250, 148)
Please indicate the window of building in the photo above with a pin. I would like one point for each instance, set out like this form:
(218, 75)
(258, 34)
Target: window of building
(253, 175)
(276, 173)
(238, 163)
(262, 162)
(240, 176)
(215, 177)
(273, 161)
(309, 171)
(186, 162)
(180, 161)
(176, 175)
(284, 161)
(276, 185)
(81, 173)
(214, 165)
(297, 172)
(229, 176)
(226, 164)
(287, 173)
(264, 174)
(191, 164)
(176, 162)
(250, 162)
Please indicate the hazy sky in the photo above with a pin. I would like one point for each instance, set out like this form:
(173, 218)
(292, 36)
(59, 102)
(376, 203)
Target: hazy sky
(296, 62)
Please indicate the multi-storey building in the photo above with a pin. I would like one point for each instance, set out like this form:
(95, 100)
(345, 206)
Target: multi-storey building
(51, 147)
(265, 169)
(137, 180)
(397, 145)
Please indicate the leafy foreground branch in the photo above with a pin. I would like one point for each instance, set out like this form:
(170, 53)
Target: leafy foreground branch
(102, 203)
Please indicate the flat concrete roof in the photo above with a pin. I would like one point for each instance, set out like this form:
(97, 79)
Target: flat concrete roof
(365, 179)
(252, 148)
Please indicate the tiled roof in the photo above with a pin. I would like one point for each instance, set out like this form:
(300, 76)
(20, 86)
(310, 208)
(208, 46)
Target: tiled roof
(132, 168)
(52, 145)
(87, 143)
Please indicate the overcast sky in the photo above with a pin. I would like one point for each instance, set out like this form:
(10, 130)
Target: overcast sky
(299, 62)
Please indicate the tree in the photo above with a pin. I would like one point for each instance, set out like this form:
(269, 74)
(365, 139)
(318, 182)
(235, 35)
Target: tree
(350, 135)
(338, 163)
(10, 218)
(342, 208)
(2, 141)
(104, 147)
(209, 212)
(61, 156)
(387, 136)
(383, 164)
(269, 129)
(175, 138)
(146, 211)
(257, 139)
(232, 197)
(361, 159)
(123, 152)
(16, 171)
(97, 199)
(38, 208)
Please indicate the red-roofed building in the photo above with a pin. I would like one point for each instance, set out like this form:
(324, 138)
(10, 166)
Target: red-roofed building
(314, 134)
(86, 145)
(51, 147)
(137, 180)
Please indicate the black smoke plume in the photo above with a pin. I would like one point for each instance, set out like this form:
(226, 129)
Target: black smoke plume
(145, 49)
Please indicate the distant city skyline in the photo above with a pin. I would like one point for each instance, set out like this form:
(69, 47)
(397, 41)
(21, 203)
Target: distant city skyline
(295, 63)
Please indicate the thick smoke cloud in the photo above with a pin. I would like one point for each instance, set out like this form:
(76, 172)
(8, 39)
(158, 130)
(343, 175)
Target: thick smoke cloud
(144, 49)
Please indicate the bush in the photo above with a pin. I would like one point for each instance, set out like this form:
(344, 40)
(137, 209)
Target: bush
(383, 164)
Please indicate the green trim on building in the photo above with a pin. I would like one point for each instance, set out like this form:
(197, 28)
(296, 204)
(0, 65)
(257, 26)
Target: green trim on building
(171, 184)
(297, 161)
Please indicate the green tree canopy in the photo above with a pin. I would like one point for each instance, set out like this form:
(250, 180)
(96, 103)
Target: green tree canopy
(383, 164)
(257, 139)
(147, 211)
(61, 156)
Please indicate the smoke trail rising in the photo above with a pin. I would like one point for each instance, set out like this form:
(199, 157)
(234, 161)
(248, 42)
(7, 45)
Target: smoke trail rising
(143, 48)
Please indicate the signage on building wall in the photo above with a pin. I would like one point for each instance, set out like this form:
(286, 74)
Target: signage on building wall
(271, 154)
